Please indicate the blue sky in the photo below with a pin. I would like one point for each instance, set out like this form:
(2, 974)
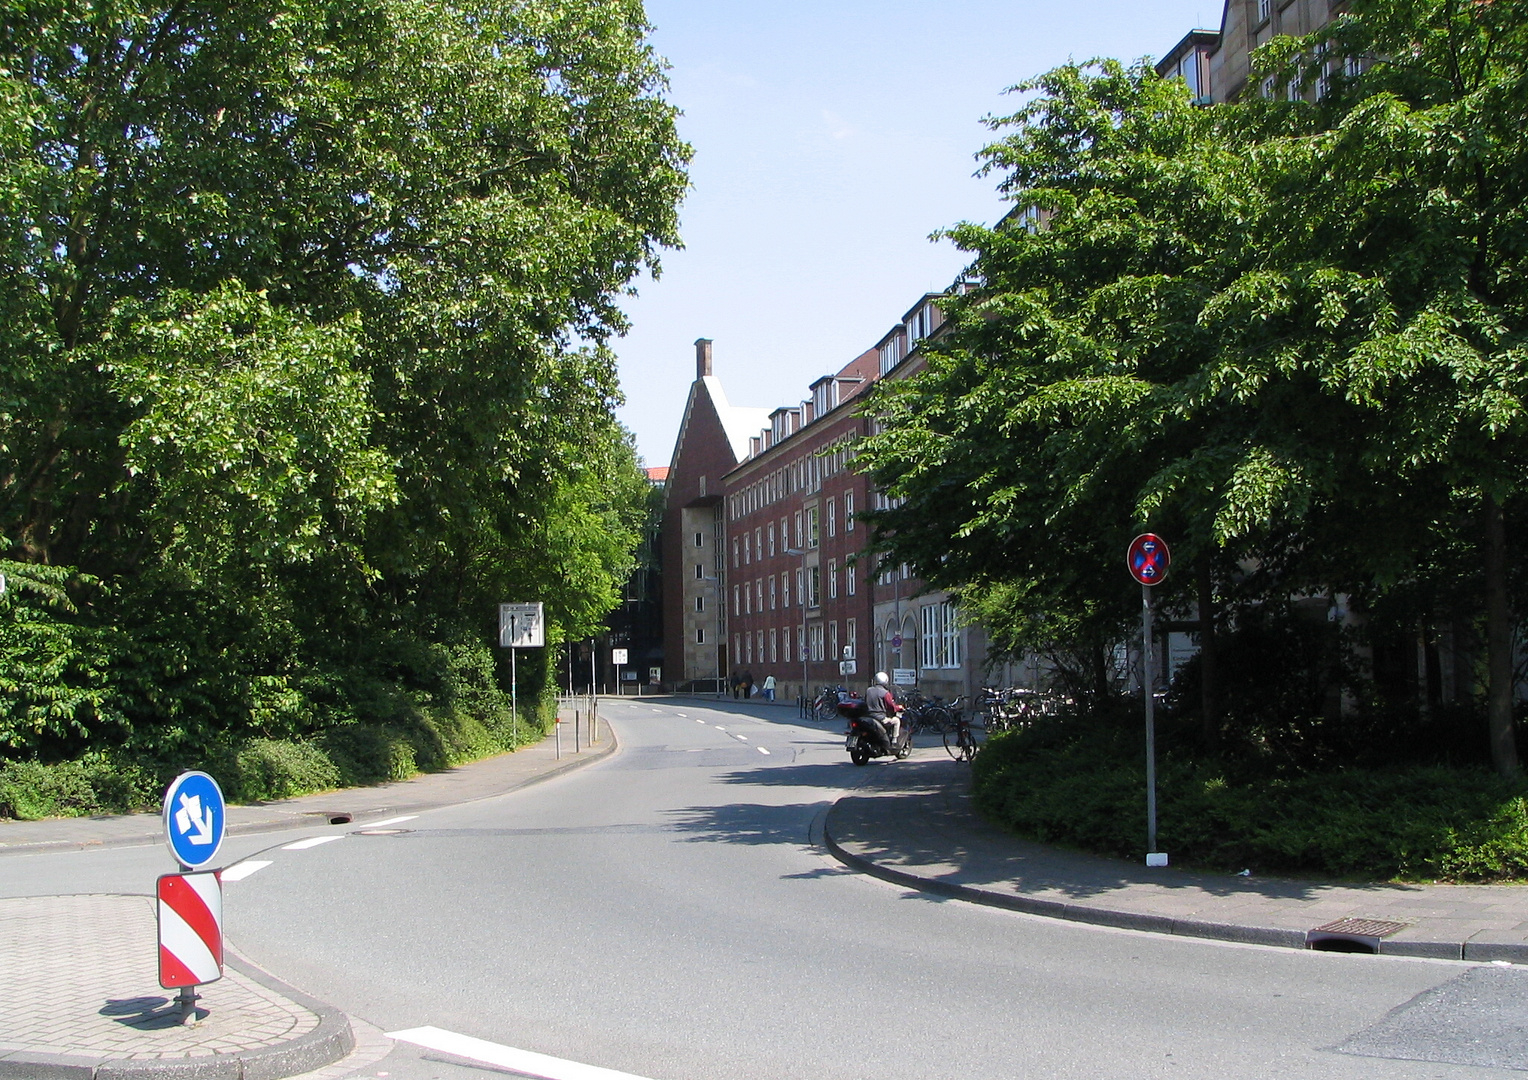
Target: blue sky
(831, 138)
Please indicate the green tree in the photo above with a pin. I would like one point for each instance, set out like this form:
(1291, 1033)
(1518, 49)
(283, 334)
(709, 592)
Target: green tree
(304, 311)
(1287, 333)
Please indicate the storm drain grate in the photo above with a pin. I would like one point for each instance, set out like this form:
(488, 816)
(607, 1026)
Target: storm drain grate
(1351, 935)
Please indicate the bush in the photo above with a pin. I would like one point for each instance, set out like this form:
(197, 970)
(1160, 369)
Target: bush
(1403, 822)
(279, 769)
(92, 785)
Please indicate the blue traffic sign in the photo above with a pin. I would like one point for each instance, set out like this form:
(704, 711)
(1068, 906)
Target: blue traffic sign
(194, 819)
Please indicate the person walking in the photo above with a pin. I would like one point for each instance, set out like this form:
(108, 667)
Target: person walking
(747, 684)
(769, 688)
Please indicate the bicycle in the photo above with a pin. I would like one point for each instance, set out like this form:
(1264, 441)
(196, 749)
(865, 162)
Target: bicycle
(825, 705)
(963, 739)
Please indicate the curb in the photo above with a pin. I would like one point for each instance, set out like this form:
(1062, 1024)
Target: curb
(330, 1041)
(585, 757)
(1477, 952)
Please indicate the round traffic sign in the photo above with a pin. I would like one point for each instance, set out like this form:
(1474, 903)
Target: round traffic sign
(896, 641)
(1148, 559)
(194, 819)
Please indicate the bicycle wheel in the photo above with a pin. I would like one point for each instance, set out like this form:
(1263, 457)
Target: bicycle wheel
(963, 740)
(826, 710)
(937, 718)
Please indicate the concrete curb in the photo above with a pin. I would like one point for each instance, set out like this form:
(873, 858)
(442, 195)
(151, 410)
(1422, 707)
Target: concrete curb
(284, 823)
(1478, 952)
(330, 1041)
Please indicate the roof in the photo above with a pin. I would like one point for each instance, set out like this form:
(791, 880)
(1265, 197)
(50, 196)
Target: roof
(657, 474)
(739, 422)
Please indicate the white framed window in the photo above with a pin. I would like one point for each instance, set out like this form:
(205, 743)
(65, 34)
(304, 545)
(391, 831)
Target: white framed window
(1264, 11)
(785, 589)
(737, 602)
(785, 532)
(850, 574)
(814, 635)
(812, 538)
(758, 593)
(940, 637)
(800, 586)
(832, 517)
(771, 592)
(700, 603)
(832, 579)
(700, 635)
(737, 648)
(700, 571)
(735, 562)
(814, 583)
(747, 550)
(851, 638)
(771, 539)
(747, 600)
(758, 542)
(849, 511)
(800, 534)
(774, 646)
(833, 640)
(700, 539)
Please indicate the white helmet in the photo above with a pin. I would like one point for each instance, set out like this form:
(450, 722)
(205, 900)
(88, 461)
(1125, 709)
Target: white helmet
(880, 677)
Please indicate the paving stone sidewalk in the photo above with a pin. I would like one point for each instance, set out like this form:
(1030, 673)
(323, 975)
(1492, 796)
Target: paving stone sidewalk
(916, 826)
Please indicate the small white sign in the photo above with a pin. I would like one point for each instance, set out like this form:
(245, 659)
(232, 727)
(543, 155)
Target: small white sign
(618, 656)
(848, 667)
(904, 676)
(521, 626)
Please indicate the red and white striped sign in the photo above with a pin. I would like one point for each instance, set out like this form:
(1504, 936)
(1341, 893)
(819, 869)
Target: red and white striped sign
(190, 929)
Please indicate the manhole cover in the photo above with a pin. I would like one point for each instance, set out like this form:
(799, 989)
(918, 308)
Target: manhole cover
(1371, 928)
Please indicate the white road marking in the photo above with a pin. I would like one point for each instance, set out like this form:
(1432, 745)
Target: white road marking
(312, 841)
(684, 716)
(242, 870)
(761, 750)
(741, 738)
(506, 1057)
(698, 720)
(392, 821)
(720, 728)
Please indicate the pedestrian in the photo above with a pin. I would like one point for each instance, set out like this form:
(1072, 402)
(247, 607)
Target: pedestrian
(769, 688)
(737, 684)
(747, 684)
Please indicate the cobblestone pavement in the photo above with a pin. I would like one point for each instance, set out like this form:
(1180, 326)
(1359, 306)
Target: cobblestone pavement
(81, 981)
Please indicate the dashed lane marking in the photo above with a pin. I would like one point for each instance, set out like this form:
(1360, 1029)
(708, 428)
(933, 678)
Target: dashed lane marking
(312, 841)
(392, 821)
(761, 750)
(240, 871)
(524, 1062)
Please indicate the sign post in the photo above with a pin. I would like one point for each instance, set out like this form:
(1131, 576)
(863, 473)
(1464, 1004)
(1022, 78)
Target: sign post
(1148, 559)
(190, 905)
(521, 626)
(618, 657)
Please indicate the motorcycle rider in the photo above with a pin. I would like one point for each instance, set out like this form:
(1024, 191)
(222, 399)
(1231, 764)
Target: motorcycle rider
(881, 706)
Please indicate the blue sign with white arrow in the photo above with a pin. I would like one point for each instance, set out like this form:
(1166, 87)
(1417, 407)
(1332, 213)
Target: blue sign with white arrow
(194, 819)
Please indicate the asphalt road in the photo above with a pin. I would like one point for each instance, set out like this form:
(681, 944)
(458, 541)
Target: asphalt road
(668, 913)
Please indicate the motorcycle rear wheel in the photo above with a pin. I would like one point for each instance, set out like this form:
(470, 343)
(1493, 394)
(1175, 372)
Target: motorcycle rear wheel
(859, 753)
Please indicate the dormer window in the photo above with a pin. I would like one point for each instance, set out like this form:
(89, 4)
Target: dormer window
(824, 396)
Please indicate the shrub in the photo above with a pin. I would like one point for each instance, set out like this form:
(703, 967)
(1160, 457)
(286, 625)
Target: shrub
(1403, 822)
(279, 769)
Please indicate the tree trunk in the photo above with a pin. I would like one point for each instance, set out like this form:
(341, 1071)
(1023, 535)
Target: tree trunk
(1209, 661)
(1499, 647)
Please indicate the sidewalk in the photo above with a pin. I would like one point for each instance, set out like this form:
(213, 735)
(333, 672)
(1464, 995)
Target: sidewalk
(918, 829)
(82, 999)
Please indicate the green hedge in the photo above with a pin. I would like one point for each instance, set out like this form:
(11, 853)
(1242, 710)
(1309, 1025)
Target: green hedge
(259, 769)
(1402, 823)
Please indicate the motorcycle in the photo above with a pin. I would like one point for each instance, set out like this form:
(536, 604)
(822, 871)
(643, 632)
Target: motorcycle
(868, 738)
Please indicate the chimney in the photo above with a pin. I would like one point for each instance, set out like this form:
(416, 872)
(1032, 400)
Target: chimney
(702, 357)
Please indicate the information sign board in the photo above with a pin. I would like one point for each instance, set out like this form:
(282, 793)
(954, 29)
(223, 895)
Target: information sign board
(521, 626)
(618, 656)
(904, 676)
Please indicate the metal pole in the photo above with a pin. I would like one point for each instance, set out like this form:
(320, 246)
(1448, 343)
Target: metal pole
(592, 651)
(514, 685)
(557, 732)
(1148, 681)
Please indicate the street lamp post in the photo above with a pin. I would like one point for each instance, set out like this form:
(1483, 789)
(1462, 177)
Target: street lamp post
(801, 597)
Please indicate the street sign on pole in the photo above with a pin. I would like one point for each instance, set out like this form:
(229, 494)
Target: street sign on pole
(190, 929)
(521, 626)
(194, 819)
(618, 657)
(1147, 559)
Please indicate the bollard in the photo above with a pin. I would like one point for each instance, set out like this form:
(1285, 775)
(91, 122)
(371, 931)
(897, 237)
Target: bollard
(576, 748)
(557, 733)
